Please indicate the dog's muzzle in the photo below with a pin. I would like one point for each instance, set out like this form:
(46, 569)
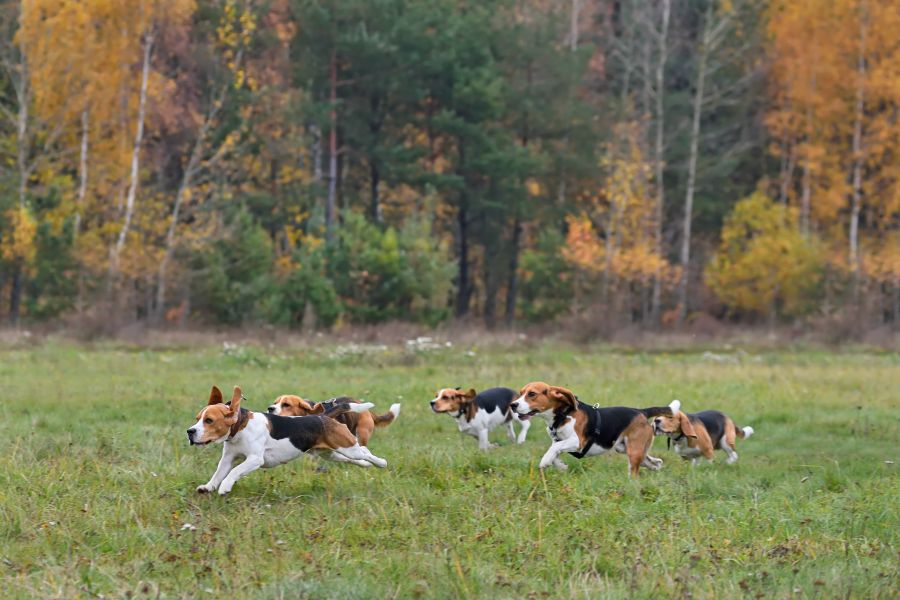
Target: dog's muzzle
(190, 433)
(271, 409)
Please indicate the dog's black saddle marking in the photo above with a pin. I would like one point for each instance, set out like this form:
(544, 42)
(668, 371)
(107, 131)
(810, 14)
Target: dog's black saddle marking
(496, 398)
(714, 421)
(303, 432)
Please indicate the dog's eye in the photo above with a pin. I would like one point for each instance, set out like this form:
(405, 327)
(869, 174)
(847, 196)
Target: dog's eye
(207, 420)
(531, 394)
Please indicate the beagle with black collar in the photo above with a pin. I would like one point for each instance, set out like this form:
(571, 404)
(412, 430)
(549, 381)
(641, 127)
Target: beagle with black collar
(583, 430)
(266, 440)
(361, 424)
(477, 414)
(699, 434)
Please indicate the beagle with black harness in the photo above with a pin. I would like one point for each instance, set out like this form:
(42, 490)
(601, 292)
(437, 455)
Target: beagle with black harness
(584, 430)
(265, 440)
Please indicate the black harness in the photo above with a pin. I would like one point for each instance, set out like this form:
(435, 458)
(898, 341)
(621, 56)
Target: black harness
(592, 430)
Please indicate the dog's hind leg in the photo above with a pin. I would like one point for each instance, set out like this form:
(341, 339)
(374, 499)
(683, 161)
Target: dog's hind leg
(360, 453)
(510, 431)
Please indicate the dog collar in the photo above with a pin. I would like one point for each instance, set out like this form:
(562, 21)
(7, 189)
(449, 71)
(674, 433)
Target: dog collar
(243, 416)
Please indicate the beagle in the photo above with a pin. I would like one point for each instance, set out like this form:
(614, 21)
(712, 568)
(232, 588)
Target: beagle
(699, 434)
(583, 430)
(477, 414)
(266, 440)
(361, 424)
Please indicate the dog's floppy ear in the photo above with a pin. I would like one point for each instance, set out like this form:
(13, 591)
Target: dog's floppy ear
(469, 395)
(317, 408)
(564, 395)
(686, 427)
(215, 396)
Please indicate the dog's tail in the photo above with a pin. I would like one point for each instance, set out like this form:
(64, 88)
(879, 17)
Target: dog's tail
(388, 417)
(743, 432)
(656, 411)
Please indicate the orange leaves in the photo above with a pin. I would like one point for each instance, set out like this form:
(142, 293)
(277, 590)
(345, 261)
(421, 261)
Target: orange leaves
(615, 235)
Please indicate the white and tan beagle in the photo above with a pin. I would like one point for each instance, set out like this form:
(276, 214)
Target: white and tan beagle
(583, 430)
(361, 424)
(266, 440)
(699, 434)
(477, 414)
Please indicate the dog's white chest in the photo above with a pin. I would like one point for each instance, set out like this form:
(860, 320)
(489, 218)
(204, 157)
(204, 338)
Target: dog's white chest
(278, 452)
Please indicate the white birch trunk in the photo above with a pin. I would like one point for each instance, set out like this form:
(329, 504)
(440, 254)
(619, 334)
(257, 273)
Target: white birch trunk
(660, 148)
(858, 159)
(82, 170)
(692, 170)
(135, 157)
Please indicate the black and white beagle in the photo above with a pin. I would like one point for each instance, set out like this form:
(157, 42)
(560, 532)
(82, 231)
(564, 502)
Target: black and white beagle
(266, 440)
(699, 434)
(583, 430)
(477, 414)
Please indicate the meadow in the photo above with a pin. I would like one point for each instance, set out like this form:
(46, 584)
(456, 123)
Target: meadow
(97, 480)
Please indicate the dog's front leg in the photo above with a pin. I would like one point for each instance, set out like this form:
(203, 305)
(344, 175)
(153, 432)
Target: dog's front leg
(557, 448)
(225, 464)
(250, 464)
(524, 431)
(483, 441)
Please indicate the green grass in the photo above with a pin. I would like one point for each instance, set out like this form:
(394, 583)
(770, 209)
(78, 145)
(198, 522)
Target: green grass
(97, 480)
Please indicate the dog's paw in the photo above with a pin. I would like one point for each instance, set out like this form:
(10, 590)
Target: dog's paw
(205, 489)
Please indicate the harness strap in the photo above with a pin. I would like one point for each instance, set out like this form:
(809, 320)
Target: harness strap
(593, 430)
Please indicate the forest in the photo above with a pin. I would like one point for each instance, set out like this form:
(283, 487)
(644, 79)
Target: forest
(317, 163)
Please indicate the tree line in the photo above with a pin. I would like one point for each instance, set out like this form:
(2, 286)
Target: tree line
(312, 162)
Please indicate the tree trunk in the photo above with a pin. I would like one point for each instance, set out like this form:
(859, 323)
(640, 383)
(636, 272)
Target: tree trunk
(374, 182)
(660, 158)
(332, 158)
(135, 157)
(15, 295)
(692, 172)
(858, 160)
(462, 286)
(82, 169)
(512, 284)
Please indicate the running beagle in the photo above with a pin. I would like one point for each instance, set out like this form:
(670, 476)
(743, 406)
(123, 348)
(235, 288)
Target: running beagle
(266, 440)
(361, 424)
(477, 414)
(583, 430)
(699, 434)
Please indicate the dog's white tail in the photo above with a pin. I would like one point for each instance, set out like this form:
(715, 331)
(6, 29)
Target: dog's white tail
(395, 410)
(361, 407)
(675, 405)
(748, 431)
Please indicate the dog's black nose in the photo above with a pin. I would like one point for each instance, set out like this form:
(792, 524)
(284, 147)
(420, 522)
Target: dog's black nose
(191, 431)
(514, 405)
(271, 409)
(433, 401)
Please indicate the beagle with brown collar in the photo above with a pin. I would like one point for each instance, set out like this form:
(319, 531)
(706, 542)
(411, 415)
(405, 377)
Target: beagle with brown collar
(361, 424)
(266, 440)
(583, 430)
(477, 414)
(699, 434)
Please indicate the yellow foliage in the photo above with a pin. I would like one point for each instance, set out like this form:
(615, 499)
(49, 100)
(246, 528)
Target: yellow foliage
(764, 264)
(18, 247)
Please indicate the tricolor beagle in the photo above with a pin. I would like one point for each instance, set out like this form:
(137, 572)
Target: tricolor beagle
(361, 424)
(699, 434)
(583, 430)
(477, 414)
(266, 440)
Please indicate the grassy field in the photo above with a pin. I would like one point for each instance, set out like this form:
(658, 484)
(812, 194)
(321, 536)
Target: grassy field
(97, 481)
